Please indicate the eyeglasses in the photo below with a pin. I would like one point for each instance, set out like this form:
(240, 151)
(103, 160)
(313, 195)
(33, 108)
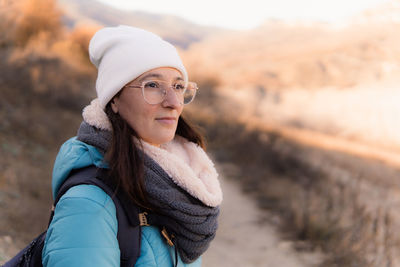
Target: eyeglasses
(155, 91)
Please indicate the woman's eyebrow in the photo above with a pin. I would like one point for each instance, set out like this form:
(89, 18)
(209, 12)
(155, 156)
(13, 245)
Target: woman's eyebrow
(159, 76)
(151, 75)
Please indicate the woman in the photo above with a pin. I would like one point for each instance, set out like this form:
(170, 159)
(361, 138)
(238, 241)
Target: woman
(142, 87)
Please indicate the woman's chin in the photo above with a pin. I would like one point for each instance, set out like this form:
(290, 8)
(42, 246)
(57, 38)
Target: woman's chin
(157, 141)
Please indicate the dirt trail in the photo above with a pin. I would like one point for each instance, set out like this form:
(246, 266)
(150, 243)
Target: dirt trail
(244, 239)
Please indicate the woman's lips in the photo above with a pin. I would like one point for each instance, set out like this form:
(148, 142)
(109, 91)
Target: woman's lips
(166, 120)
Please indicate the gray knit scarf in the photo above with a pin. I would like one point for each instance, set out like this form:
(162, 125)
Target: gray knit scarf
(192, 223)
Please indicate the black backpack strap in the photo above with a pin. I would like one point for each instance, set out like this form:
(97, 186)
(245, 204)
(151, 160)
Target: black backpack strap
(129, 233)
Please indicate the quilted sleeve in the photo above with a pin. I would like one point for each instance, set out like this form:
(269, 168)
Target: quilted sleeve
(83, 231)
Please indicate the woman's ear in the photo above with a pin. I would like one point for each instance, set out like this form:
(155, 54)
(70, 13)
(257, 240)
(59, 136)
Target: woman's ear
(114, 104)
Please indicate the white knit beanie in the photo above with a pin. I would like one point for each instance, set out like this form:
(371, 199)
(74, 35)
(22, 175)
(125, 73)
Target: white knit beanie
(123, 53)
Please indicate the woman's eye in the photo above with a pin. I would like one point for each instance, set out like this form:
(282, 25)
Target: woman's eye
(151, 85)
(179, 87)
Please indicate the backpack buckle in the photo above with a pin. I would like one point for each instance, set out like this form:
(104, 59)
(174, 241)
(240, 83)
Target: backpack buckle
(167, 237)
(143, 219)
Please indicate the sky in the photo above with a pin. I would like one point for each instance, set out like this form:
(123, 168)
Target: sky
(249, 13)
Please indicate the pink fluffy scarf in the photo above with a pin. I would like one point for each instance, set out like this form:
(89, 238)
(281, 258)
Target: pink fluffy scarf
(189, 167)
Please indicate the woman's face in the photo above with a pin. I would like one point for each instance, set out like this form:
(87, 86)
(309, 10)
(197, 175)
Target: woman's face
(155, 124)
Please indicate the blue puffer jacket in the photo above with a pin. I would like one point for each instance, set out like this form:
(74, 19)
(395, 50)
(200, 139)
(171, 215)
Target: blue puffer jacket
(84, 228)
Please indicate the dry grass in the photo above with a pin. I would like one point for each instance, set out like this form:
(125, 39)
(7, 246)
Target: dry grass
(30, 137)
(339, 201)
(368, 112)
(320, 201)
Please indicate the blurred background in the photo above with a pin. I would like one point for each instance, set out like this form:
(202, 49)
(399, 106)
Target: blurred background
(299, 102)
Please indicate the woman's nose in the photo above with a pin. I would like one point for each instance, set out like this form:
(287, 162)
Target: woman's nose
(172, 100)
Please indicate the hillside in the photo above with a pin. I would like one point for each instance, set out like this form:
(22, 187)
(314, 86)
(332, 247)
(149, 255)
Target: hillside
(174, 29)
(280, 55)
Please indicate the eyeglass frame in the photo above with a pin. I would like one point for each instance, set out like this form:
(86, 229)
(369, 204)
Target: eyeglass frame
(165, 91)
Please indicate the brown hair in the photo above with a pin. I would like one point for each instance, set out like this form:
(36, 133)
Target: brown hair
(125, 161)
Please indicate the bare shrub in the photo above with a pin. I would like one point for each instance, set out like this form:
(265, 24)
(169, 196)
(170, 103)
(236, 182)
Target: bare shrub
(8, 13)
(73, 48)
(80, 36)
(37, 17)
